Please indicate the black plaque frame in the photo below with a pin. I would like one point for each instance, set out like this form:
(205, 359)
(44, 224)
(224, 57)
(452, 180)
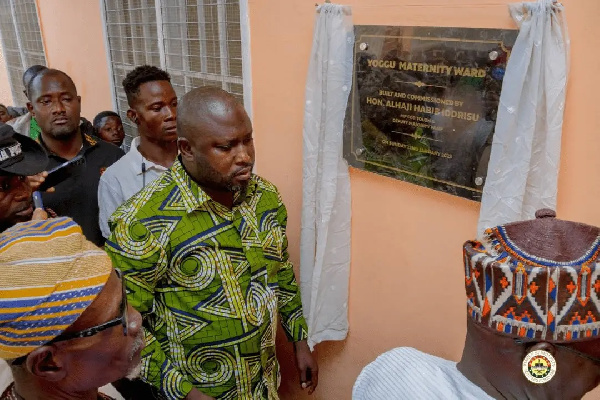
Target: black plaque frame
(439, 151)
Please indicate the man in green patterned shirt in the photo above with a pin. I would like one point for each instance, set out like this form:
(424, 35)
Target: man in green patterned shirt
(204, 254)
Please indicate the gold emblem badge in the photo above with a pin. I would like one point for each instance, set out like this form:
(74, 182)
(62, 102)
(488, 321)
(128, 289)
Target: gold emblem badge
(539, 366)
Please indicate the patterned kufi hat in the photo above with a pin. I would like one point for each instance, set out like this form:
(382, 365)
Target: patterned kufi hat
(49, 275)
(537, 279)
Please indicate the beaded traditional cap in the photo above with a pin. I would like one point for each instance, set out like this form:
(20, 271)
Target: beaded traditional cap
(49, 275)
(537, 279)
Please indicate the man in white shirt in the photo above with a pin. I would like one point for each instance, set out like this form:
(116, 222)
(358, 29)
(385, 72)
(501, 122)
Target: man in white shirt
(407, 373)
(533, 322)
(153, 108)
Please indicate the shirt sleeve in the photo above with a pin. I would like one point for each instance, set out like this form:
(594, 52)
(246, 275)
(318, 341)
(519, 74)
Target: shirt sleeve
(138, 254)
(288, 300)
(108, 201)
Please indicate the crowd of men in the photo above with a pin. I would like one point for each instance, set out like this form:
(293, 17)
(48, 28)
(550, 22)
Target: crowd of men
(164, 271)
(198, 242)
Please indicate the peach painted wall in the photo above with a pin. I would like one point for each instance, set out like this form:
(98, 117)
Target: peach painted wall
(406, 284)
(72, 34)
(406, 280)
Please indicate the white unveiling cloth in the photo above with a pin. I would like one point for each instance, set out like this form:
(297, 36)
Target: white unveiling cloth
(326, 209)
(522, 172)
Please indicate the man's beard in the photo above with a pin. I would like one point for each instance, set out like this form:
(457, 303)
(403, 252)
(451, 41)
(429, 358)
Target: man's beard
(214, 180)
(135, 370)
(64, 135)
(236, 188)
(64, 132)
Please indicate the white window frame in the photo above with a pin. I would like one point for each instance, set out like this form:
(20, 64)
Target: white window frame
(246, 66)
(246, 79)
(16, 92)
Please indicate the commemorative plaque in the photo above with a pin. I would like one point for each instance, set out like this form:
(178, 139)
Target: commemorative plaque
(423, 104)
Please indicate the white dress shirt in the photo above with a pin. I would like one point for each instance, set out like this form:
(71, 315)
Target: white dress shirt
(122, 180)
(407, 373)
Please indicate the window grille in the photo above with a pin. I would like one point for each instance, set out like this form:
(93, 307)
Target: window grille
(22, 43)
(199, 42)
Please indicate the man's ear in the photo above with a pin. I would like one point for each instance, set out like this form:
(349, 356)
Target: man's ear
(132, 115)
(30, 108)
(185, 148)
(545, 346)
(79, 99)
(44, 363)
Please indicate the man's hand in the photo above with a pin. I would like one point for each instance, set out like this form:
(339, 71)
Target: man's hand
(39, 214)
(195, 394)
(307, 366)
(36, 180)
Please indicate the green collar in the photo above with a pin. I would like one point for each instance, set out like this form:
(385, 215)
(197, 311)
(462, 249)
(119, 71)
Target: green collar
(194, 198)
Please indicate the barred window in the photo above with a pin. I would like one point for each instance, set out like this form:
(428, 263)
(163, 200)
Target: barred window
(22, 43)
(199, 42)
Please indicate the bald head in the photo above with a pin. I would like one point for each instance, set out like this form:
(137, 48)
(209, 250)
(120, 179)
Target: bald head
(201, 109)
(215, 142)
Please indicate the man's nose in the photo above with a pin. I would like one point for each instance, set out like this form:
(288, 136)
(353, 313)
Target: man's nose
(58, 107)
(171, 113)
(134, 321)
(243, 156)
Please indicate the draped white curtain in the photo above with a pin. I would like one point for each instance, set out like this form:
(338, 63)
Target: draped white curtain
(325, 237)
(523, 169)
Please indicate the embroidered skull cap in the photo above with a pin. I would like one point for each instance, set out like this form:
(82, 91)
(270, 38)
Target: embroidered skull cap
(536, 279)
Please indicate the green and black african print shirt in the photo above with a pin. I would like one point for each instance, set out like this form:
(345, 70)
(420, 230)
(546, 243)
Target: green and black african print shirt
(210, 283)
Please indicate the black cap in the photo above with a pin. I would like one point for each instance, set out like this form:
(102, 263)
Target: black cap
(19, 154)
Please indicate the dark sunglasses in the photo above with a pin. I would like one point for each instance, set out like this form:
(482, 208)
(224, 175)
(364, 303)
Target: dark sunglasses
(121, 320)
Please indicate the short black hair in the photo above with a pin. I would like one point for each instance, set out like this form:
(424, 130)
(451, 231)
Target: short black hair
(141, 75)
(44, 72)
(101, 115)
(31, 72)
